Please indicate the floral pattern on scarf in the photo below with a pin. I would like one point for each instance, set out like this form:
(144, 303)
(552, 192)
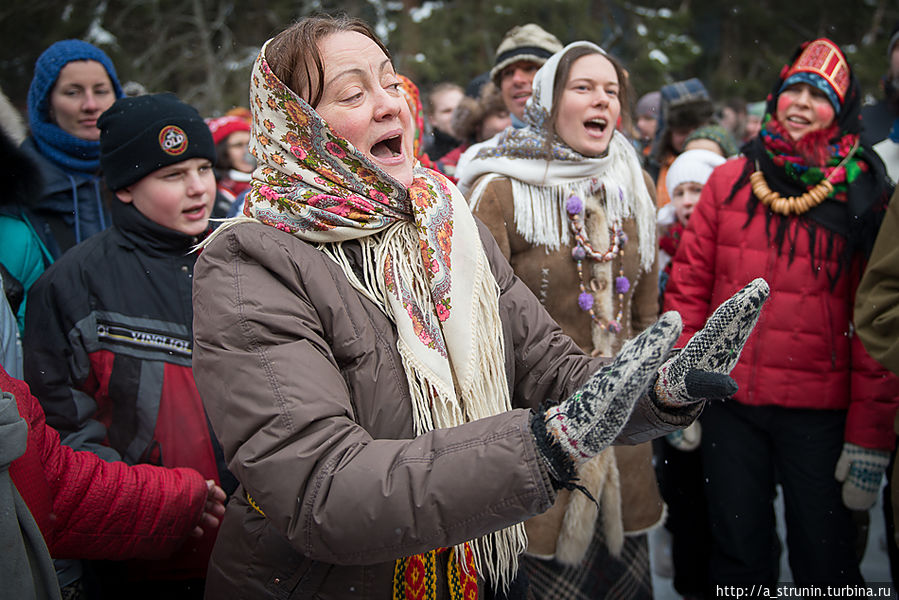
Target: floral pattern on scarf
(423, 264)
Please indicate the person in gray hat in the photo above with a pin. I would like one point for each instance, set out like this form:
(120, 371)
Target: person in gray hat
(523, 50)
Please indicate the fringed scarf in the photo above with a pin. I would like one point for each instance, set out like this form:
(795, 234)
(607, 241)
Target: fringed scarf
(614, 189)
(423, 265)
(854, 210)
(541, 186)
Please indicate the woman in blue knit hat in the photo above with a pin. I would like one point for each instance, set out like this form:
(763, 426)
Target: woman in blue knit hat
(74, 82)
(59, 163)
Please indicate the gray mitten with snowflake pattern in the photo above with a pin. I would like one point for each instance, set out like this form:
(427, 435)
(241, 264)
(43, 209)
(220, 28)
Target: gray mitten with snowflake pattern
(701, 370)
(591, 418)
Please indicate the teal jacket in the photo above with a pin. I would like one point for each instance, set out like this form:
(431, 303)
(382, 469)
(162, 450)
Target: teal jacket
(23, 251)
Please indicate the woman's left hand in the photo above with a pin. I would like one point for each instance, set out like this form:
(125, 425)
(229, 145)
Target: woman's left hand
(701, 370)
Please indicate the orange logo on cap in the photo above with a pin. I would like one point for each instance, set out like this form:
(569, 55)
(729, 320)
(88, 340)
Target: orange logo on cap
(173, 140)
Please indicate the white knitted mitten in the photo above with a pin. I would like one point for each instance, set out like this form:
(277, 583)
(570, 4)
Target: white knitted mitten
(861, 471)
(701, 370)
(591, 418)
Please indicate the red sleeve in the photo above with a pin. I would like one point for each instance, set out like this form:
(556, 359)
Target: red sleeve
(89, 508)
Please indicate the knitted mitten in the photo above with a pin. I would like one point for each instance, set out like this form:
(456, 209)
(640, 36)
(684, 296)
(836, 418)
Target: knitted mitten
(591, 418)
(700, 371)
(861, 471)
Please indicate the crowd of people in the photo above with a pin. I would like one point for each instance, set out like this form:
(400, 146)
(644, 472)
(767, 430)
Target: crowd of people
(360, 341)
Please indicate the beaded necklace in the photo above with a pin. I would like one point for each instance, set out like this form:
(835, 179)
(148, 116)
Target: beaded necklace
(582, 250)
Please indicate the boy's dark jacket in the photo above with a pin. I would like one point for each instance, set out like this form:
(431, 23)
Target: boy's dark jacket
(108, 345)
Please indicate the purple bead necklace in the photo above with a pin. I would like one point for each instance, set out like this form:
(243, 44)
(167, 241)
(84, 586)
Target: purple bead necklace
(582, 250)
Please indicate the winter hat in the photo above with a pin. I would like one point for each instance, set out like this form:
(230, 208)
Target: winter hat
(46, 72)
(756, 109)
(142, 134)
(684, 100)
(526, 42)
(717, 134)
(649, 105)
(222, 127)
(822, 65)
(692, 165)
(64, 149)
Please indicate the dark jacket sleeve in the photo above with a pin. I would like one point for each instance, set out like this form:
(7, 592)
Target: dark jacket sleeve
(877, 297)
(89, 508)
(57, 363)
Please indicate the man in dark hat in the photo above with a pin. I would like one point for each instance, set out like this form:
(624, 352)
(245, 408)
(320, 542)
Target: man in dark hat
(523, 50)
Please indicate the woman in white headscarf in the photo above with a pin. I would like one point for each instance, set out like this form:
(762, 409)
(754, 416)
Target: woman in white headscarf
(371, 364)
(572, 210)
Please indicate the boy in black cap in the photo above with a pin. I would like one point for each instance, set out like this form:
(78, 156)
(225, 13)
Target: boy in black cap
(108, 329)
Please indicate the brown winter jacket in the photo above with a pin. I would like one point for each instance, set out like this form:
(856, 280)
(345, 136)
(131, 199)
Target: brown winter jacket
(305, 388)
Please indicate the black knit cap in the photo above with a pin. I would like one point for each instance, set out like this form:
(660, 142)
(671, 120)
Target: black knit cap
(142, 134)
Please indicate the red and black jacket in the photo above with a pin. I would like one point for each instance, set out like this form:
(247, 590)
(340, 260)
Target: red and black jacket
(108, 345)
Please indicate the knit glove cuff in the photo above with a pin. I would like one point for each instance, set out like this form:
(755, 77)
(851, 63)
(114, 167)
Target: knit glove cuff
(861, 471)
(701, 370)
(591, 418)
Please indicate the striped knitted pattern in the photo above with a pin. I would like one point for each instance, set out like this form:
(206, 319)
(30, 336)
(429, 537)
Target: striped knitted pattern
(716, 347)
(591, 418)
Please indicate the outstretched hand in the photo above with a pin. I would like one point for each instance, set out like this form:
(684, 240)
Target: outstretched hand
(701, 371)
(590, 419)
(213, 511)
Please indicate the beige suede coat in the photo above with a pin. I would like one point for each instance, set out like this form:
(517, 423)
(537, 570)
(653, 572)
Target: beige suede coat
(304, 387)
(553, 277)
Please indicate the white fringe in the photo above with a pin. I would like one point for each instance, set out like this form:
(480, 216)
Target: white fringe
(540, 215)
(482, 386)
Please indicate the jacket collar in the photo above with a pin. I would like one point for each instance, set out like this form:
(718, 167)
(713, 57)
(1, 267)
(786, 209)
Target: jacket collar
(140, 232)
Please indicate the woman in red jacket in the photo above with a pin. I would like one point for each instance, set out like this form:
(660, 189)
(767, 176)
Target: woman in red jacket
(801, 208)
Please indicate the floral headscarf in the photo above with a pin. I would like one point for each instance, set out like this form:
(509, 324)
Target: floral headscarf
(423, 264)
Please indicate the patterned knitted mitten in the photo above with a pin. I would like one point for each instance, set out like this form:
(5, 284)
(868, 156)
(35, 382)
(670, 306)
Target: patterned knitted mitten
(861, 471)
(701, 370)
(591, 418)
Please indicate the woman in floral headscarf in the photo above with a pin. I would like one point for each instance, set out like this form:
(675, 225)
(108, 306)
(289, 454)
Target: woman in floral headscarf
(571, 209)
(371, 364)
(814, 412)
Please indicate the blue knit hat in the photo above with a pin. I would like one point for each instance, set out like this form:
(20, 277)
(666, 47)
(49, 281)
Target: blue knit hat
(61, 147)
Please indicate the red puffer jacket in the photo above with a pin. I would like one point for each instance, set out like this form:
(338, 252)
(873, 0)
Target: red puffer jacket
(89, 508)
(803, 352)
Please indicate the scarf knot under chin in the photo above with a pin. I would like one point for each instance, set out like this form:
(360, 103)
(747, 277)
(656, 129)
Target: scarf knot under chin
(423, 265)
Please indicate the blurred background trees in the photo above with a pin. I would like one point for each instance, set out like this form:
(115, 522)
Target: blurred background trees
(203, 49)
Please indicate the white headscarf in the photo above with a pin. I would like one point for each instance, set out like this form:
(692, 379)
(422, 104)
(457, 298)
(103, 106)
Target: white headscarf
(541, 187)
